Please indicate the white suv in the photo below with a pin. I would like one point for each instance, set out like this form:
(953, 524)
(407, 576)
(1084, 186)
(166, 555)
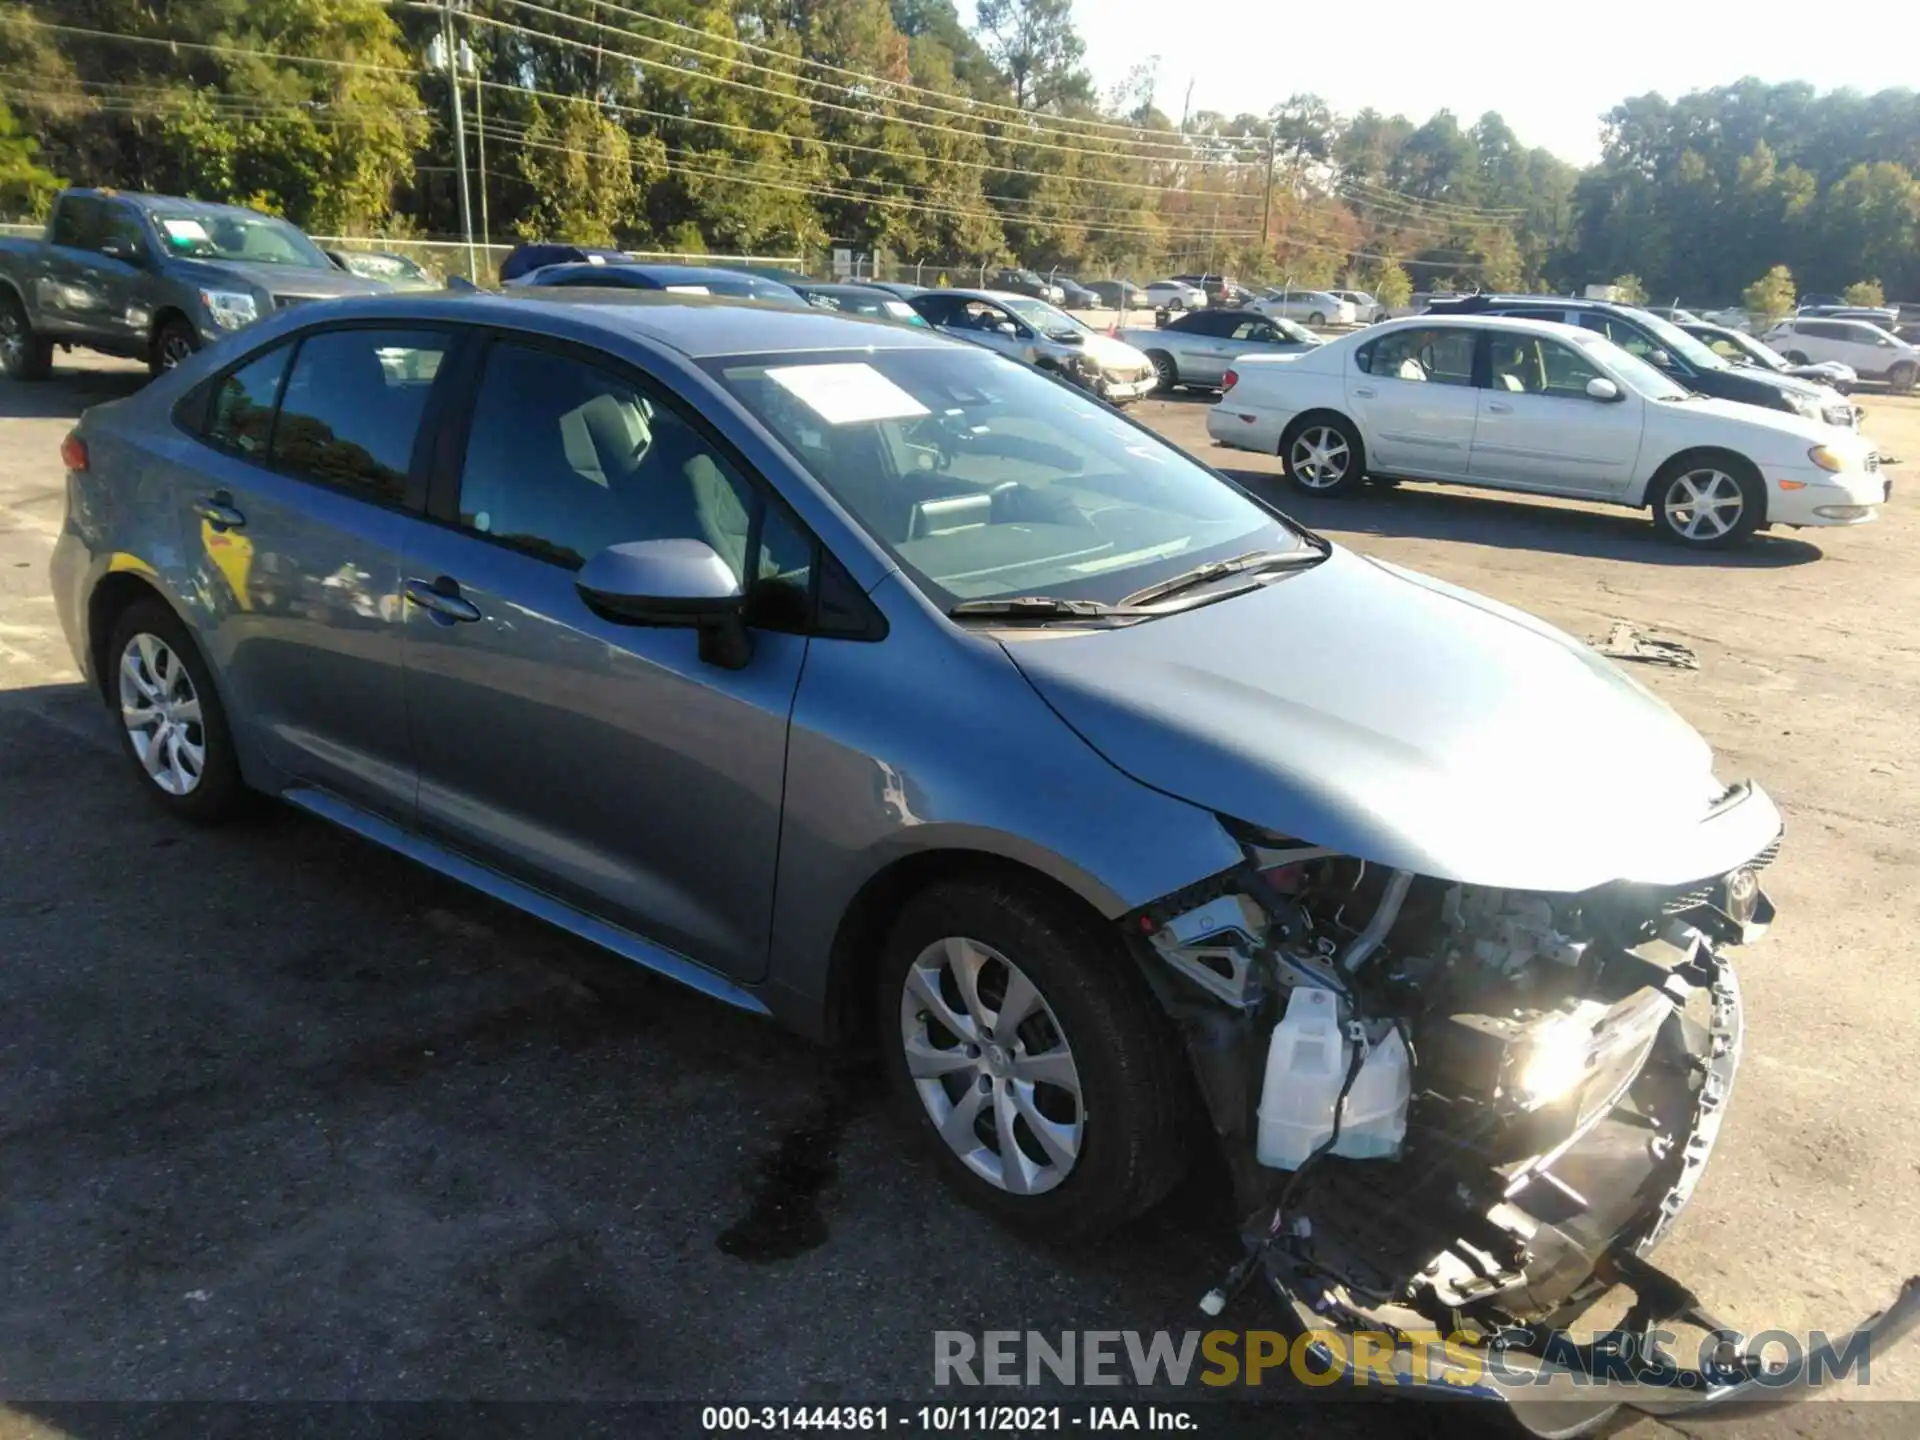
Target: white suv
(1871, 351)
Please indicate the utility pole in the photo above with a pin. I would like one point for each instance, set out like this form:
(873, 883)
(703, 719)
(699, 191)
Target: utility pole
(452, 60)
(1186, 107)
(480, 138)
(1266, 210)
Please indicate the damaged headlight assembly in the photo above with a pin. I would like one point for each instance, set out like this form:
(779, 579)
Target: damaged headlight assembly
(1453, 1108)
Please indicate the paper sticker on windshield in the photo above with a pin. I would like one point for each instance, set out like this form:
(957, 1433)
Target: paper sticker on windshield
(689, 289)
(846, 394)
(900, 308)
(184, 232)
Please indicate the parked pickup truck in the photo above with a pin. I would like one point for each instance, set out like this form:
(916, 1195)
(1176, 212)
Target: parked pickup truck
(152, 278)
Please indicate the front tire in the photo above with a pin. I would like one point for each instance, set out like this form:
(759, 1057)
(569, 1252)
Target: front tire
(1166, 373)
(1708, 503)
(1316, 318)
(23, 354)
(1026, 1051)
(1322, 455)
(1901, 378)
(1798, 357)
(173, 344)
(172, 726)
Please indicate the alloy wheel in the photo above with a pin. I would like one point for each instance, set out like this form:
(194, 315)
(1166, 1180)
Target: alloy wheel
(1704, 504)
(13, 339)
(161, 710)
(1319, 457)
(175, 349)
(992, 1066)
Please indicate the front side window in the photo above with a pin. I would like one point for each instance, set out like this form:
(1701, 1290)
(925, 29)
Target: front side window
(986, 480)
(352, 408)
(241, 416)
(1258, 331)
(1440, 356)
(565, 459)
(1534, 365)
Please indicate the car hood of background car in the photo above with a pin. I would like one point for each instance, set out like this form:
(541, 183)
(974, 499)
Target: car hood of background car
(1413, 724)
(279, 279)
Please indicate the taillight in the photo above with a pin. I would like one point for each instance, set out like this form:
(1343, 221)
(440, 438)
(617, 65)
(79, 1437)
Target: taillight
(1229, 380)
(73, 451)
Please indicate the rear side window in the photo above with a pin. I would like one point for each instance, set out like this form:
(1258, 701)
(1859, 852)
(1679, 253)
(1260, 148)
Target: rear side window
(76, 222)
(1437, 356)
(240, 418)
(352, 406)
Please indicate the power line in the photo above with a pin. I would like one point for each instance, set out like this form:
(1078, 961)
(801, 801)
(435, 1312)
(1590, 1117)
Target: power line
(969, 101)
(684, 73)
(1403, 197)
(1184, 149)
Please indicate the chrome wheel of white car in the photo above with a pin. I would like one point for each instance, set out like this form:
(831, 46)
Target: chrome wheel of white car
(991, 1065)
(1707, 504)
(1320, 457)
(161, 709)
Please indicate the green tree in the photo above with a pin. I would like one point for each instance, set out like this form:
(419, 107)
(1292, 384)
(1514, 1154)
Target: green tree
(581, 169)
(1865, 292)
(1392, 287)
(1036, 48)
(1771, 296)
(26, 186)
(1631, 291)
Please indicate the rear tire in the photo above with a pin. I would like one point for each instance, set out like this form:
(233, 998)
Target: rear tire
(23, 354)
(1798, 357)
(173, 343)
(1166, 373)
(172, 726)
(1322, 455)
(1707, 502)
(1087, 1089)
(1316, 318)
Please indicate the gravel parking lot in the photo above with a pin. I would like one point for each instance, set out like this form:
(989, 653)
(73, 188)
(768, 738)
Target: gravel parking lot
(287, 1117)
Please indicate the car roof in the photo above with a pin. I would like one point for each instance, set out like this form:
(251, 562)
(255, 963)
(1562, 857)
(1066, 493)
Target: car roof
(698, 326)
(997, 295)
(150, 200)
(1474, 321)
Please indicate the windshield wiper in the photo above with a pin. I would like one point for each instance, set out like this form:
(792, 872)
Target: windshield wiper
(1218, 569)
(1042, 607)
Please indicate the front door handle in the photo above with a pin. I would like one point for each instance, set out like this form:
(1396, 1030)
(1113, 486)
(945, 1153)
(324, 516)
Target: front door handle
(1365, 392)
(441, 598)
(1498, 407)
(217, 510)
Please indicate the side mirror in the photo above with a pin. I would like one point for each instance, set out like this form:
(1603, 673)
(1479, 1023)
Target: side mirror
(1601, 388)
(128, 252)
(1007, 327)
(682, 584)
(1662, 359)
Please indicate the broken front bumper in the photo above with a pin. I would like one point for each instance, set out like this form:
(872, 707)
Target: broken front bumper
(1557, 1385)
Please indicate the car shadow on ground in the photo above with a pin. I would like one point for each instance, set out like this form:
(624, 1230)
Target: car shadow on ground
(65, 395)
(1418, 512)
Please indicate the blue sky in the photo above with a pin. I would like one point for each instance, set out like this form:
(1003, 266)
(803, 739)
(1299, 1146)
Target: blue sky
(1551, 68)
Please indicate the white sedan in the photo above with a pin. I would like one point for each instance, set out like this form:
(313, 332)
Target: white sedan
(1176, 295)
(1535, 406)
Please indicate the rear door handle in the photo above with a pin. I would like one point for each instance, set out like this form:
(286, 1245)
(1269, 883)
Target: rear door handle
(441, 598)
(1499, 408)
(1364, 392)
(217, 510)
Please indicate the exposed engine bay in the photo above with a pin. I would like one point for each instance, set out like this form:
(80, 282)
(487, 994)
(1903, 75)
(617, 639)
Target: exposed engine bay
(1445, 1106)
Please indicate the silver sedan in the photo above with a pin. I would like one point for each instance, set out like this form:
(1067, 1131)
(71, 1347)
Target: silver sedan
(1198, 347)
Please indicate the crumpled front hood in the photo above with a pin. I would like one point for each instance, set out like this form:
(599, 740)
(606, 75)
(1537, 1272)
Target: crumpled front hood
(1394, 717)
(1112, 354)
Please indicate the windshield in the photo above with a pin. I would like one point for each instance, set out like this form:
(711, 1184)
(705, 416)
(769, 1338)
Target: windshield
(986, 480)
(1735, 346)
(236, 235)
(1633, 372)
(1677, 342)
(1042, 316)
(1293, 330)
